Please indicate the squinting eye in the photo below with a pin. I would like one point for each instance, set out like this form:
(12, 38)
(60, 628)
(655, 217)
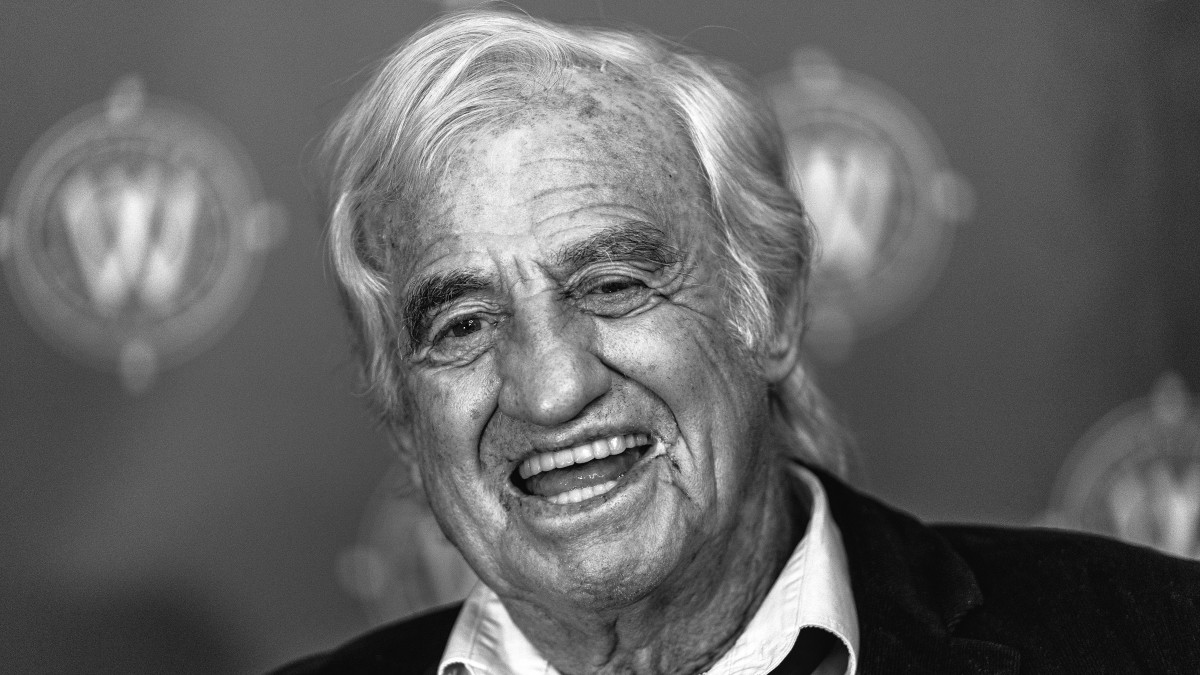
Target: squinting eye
(615, 286)
(463, 327)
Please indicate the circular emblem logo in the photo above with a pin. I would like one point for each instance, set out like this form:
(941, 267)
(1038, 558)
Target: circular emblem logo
(874, 180)
(1136, 474)
(133, 233)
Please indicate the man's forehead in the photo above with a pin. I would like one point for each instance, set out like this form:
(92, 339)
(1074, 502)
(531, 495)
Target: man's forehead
(576, 160)
(549, 243)
(591, 96)
(588, 124)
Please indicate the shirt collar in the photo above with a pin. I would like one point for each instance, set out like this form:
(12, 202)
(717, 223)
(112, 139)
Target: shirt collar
(812, 591)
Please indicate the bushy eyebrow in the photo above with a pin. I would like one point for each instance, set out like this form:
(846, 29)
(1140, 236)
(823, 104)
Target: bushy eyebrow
(438, 290)
(633, 240)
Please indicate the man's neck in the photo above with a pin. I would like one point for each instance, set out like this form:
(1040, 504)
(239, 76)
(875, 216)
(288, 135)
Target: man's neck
(680, 627)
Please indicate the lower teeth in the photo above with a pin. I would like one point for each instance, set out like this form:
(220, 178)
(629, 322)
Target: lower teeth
(579, 494)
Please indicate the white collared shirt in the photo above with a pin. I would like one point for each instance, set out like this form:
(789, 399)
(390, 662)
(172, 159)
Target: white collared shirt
(812, 591)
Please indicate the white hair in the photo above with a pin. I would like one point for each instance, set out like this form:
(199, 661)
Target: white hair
(473, 70)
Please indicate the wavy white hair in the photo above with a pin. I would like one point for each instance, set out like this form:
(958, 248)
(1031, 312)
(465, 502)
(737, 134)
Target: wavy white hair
(472, 70)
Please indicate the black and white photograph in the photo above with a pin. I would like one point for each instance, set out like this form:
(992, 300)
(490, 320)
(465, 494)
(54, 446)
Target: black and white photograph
(566, 337)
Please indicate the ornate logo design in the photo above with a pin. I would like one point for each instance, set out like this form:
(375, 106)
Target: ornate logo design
(1136, 474)
(875, 182)
(133, 233)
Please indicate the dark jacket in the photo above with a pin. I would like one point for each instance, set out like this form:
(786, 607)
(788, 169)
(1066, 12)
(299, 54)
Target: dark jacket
(945, 599)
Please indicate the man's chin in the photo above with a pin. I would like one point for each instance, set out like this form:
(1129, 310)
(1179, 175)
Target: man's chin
(601, 581)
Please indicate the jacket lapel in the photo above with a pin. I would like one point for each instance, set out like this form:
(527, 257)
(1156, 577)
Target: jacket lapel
(911, 590)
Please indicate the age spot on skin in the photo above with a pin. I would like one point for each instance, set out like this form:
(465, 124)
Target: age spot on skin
(589, 107)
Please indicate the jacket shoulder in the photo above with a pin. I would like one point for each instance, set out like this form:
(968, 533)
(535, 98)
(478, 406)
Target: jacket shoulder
(1070, 563)
(1078, 587)
(413, 645)
(953, 597)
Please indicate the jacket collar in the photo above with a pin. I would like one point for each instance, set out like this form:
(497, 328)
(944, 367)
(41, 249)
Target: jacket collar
(911, 589)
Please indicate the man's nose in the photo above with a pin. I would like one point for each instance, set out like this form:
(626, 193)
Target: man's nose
(548, 370)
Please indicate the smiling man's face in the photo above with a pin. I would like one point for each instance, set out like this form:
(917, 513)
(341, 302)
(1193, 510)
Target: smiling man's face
(587, 427)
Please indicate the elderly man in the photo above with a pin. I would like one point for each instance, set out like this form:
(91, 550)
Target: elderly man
(577, 278)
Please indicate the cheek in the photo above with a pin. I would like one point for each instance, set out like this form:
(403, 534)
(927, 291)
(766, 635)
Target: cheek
(687, 359)
(449, 410)
(718, 403)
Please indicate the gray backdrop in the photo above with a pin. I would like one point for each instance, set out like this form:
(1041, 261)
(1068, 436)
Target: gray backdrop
(197, 527)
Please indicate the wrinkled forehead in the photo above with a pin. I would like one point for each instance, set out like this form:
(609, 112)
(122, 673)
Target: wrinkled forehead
(606, 133)
(613, 111)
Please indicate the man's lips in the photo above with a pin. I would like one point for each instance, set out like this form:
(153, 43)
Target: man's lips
(587, 470)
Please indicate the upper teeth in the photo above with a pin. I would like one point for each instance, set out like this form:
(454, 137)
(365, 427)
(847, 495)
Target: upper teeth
(598, 449)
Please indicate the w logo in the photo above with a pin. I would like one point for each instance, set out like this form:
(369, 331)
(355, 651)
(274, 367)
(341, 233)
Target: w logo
(848, 193)
(131, 233)
(1160, 508)
(874, 180)
(1135, 475)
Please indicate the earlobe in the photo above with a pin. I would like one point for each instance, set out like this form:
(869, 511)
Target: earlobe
(781, 353)
(401, 438)
(414, 476)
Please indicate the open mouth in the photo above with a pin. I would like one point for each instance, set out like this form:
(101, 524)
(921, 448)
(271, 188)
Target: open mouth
(571, 475)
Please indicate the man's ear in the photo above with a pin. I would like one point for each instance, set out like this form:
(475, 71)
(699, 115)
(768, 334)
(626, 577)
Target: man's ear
(401, 437)
(781, 352)
(399, 432)
(414, 477)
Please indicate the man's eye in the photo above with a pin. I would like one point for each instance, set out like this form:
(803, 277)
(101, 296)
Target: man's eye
(459, 339)
(613, 296)
(610, 286)
(461, 328)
